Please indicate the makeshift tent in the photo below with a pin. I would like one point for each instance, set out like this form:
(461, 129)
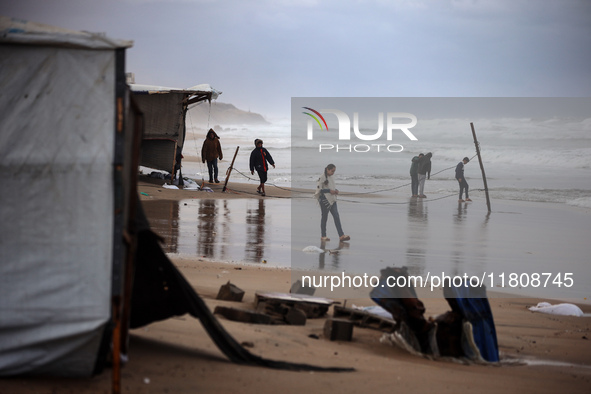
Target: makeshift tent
(164, 111)
(78, 262)
(66, 152)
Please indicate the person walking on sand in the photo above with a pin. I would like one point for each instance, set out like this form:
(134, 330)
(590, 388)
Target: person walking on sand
(424, 172)
(260, 158)
(326, 194)
(211, 152)
(461, 179)
(414, 175)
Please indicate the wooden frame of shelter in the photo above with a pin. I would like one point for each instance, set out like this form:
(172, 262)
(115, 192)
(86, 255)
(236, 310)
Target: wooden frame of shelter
(164, 111)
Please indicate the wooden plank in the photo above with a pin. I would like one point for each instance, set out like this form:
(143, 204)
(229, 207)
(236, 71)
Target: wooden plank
(364, 319)
(313, 307)
(243, 315)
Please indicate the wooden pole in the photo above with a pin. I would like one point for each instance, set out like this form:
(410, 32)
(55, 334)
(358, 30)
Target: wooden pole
(481, 166)
(116, 351)
(230, 170)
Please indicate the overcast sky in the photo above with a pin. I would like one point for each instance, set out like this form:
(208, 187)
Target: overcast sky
(262, 53)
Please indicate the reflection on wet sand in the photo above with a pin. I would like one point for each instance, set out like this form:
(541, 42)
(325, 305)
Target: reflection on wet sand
(255, 229)
(206, 232)
(334, 254)
(440, 237)
(461, 233)
(419, 236)
(213, 224)
(164, 218)
(213, 229)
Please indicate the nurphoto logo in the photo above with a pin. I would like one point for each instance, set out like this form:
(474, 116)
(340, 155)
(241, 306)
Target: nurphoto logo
(344, 130)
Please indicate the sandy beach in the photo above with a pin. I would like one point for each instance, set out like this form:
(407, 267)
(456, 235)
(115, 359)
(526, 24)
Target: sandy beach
(540, 353)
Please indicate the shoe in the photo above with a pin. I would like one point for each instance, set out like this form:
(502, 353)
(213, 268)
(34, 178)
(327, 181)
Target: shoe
(460, 200)
(344, 238)
(468, 199)
(210, 180)
(263, 194)
(216, 181)
(414, 196)
(422, 196)
(324, 239)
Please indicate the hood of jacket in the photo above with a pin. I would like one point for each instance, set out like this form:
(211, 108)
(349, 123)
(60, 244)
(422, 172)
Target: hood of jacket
(215, 135)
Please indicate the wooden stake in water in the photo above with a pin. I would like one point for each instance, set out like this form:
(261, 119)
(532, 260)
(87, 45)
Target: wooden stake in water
(481, 166)
(230, 170)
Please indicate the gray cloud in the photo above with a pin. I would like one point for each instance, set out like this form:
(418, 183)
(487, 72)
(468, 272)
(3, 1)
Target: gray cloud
(261, 53)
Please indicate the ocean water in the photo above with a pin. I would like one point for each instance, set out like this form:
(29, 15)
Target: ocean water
(531, 149)
(525, 158)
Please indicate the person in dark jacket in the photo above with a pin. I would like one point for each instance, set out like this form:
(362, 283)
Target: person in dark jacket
(260, 158)
(211, 152)
(424, 171)
(461, 179)
(414, 175)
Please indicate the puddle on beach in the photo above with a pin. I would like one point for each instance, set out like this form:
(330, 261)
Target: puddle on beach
(504, 249)
(237, 230)
(432, 237)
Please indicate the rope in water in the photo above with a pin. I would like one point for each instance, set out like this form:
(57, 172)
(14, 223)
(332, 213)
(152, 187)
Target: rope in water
(307, 193)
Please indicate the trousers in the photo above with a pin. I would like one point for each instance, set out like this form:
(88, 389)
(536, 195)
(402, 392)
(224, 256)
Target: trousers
(335, 215)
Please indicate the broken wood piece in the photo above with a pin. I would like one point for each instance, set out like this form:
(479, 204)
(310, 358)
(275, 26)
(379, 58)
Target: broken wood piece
(364, 319)
(313, 307)
(295, 317)
(282, 313)
(243, 315)
(230, 292)
(338, 329)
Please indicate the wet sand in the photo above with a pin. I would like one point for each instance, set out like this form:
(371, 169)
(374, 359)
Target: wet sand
(245, 230)
(519, 248)
(540, 353)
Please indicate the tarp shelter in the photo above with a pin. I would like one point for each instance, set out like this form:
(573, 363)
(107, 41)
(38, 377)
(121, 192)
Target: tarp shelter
(67, 159)
(78, 261)
(165, 110)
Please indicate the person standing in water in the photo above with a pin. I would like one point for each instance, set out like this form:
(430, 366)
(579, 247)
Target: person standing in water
(414, 175)
(461, 179)
(326, 194)
(260, 158)
(424, 172)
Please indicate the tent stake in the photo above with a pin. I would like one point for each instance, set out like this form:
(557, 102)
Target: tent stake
(230, 170)
(481, 166)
